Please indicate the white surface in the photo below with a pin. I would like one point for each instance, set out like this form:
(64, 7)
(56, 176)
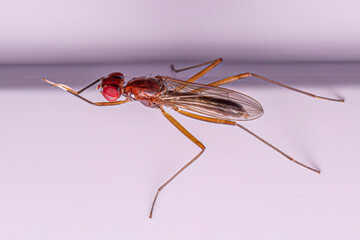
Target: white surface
(92, 31)
(69, 170)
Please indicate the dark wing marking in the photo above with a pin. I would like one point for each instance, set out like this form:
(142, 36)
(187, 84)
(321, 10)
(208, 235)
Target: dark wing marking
(210, 101)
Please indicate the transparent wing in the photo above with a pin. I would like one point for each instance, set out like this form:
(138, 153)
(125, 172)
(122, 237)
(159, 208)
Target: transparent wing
(210, 101)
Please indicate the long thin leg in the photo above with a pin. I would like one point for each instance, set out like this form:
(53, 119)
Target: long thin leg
(76, 94)
(198, 75)
(223, 121)
(189, 136)
(246, 75)
(91, 84)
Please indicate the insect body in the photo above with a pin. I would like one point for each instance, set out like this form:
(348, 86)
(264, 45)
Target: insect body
(148, 91)
(209, 102)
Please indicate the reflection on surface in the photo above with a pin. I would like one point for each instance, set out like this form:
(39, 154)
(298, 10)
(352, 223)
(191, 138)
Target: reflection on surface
(15, 76)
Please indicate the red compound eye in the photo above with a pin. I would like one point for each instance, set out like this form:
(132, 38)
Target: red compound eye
(111, 93)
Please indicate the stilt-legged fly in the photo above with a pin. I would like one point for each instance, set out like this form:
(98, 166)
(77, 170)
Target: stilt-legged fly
(210, 103)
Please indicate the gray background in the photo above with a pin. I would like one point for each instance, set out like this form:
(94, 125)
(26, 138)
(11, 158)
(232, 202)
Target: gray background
(112, 30)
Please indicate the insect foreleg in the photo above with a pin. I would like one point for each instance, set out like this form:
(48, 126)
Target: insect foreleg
(76, 94)
(91, 84)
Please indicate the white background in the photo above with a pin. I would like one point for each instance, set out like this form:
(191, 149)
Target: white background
(69, 170)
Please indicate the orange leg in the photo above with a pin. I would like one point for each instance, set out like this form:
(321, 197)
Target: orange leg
(212, 64)
(76, 94)
(228, 122)
(189, 136)
(246, 75)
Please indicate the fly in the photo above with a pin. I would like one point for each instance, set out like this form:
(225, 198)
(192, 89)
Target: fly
(209, 103)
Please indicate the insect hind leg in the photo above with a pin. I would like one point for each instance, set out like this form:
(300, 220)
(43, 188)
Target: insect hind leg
(228, 122)
(248, 74)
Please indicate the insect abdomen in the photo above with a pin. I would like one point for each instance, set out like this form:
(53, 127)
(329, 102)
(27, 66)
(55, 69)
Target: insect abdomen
(209, 105)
